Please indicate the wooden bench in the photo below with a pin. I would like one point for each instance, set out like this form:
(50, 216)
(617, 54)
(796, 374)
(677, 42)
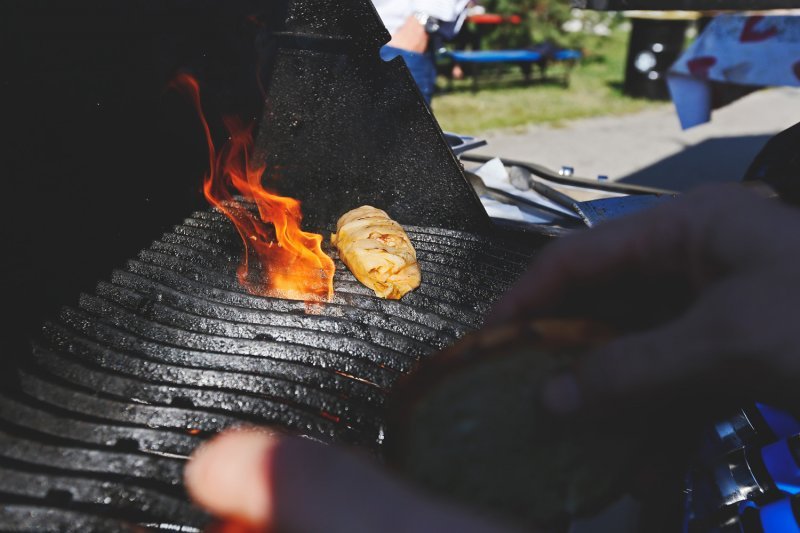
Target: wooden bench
(525, 59)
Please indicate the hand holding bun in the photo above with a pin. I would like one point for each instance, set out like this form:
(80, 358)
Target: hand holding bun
(468, 424)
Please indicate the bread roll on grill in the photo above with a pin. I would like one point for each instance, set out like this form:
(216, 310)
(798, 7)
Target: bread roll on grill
(377, 251)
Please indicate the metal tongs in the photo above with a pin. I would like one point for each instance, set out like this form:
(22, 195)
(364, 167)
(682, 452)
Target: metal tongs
(523, 203)
(592, 212)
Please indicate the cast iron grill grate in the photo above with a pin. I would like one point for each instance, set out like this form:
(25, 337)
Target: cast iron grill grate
(119, 389)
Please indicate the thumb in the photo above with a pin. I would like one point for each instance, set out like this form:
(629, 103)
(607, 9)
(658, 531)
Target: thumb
(283, 483)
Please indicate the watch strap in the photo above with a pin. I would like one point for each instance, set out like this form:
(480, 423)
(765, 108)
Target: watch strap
(428, 22)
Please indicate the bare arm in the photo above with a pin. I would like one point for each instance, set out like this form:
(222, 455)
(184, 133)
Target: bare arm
(410, 36)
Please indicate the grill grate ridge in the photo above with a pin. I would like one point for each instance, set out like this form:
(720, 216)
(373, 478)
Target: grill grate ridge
(425, 327)
(259, 410)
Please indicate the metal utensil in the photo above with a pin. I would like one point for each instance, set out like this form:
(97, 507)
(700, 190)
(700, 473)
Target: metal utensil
(604, 209)
(506, 197)
(523, 179)
(593, 211)
(553, 177)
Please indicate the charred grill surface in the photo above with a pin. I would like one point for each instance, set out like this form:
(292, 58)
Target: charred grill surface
(99, 412)
(118, 390)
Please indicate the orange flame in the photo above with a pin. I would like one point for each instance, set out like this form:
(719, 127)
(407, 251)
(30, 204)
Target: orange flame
(291, 261)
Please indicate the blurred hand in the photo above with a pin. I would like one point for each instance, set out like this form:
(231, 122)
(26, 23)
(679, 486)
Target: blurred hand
(712, 282)
(264, 482)
(712, 279)
(410, 36)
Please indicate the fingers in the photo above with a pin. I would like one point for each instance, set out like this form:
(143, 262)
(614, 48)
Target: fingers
(410, 36)
(733, 345)
(282, 483)
(675, 238)
(636, 367)
(648, 241)
(226, 476)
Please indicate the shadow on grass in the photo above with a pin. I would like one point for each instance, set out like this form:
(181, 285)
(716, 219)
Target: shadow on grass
(499, 83)
(714, 160)
(616, 86)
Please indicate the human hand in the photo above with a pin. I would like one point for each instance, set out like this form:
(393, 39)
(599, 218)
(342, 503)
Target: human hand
(712, 282)
(410, 36)
(264, 482)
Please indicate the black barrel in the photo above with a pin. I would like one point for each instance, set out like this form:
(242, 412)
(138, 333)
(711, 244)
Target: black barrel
(655, 43)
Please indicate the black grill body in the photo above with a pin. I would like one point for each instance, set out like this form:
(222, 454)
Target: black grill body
(120, 388)
(103, 399)
(342, 128)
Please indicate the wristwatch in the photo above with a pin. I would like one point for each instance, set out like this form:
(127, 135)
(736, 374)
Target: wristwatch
(430, 24)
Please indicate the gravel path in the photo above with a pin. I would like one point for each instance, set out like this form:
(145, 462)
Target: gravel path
(649, 148)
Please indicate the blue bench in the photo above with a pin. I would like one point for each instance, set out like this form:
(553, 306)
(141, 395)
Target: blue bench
(494, 56)
(525, 59)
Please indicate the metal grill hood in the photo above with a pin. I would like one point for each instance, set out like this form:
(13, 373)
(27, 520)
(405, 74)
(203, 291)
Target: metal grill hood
(347, 129)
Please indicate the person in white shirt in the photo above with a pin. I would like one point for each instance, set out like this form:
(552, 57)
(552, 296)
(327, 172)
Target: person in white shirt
(414, 26)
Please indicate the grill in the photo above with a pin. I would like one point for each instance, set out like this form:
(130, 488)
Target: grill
(119, 389)
(99, 411)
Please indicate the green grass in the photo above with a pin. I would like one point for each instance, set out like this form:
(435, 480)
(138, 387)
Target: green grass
(503, 103)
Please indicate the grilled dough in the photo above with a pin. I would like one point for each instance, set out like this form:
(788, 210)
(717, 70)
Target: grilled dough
(377, 251)
(467, 424)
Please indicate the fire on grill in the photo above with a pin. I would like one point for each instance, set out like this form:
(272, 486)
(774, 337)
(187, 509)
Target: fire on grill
(293, 265)
(175, 339)
(292, 262)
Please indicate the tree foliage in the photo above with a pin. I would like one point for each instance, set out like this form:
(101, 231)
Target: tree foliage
(543, 21)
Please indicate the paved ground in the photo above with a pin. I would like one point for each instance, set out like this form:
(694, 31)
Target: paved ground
(649, 148)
